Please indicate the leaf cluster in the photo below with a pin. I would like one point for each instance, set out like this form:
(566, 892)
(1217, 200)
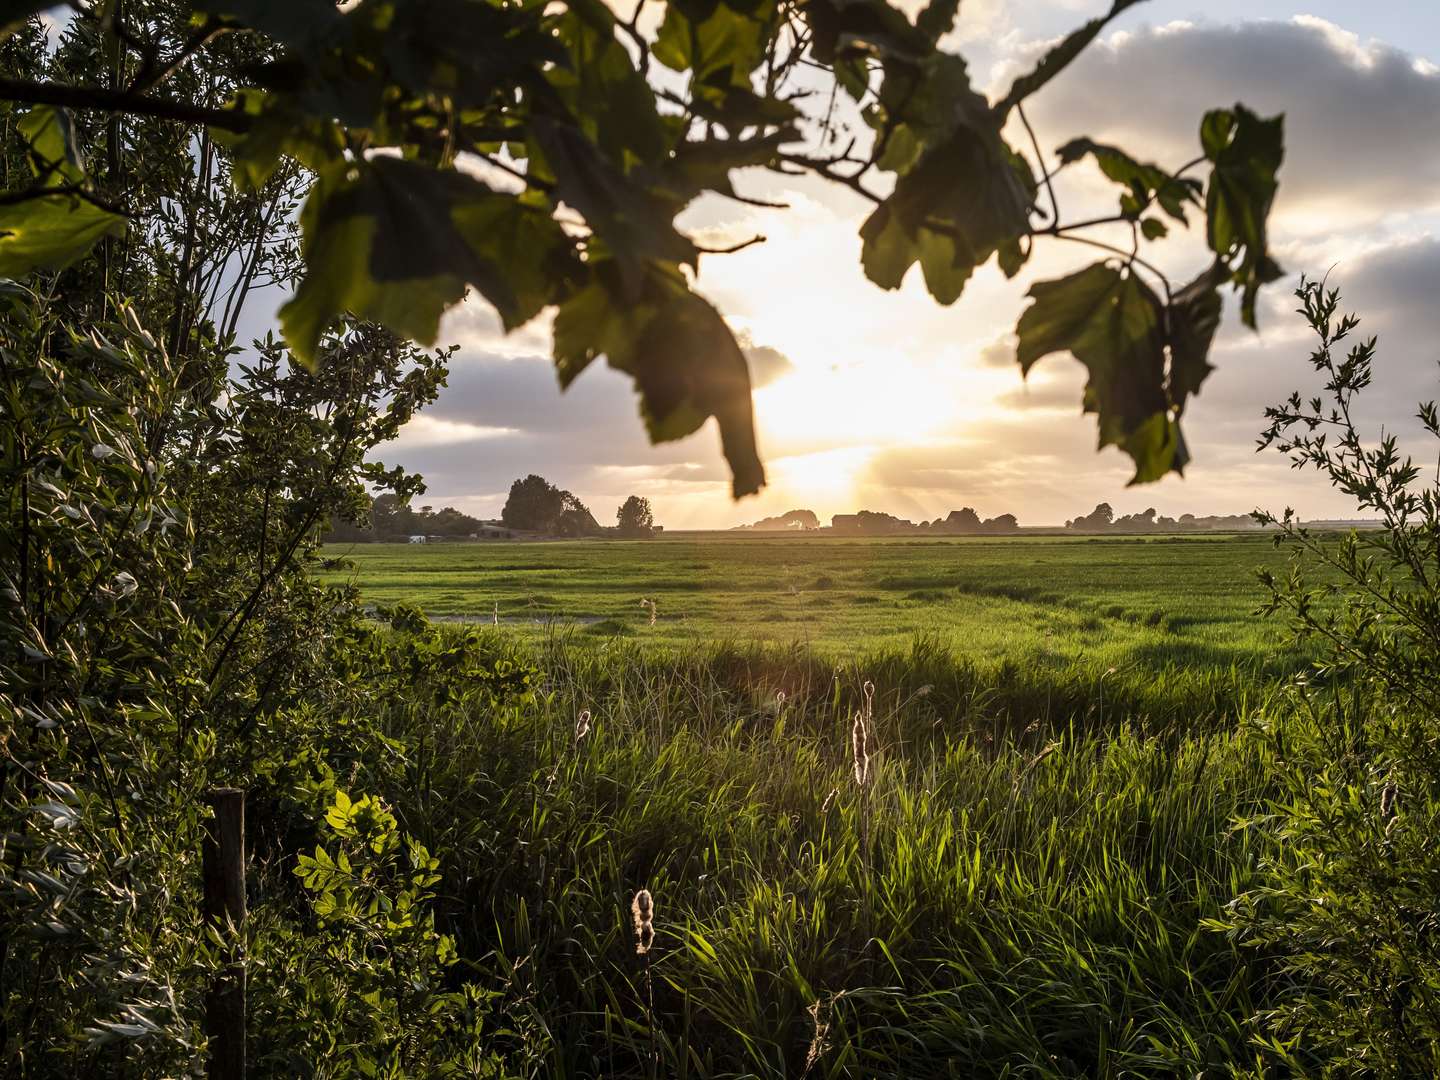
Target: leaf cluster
(538, 156)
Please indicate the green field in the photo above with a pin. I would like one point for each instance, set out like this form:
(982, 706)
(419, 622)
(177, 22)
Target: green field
(1131, 603)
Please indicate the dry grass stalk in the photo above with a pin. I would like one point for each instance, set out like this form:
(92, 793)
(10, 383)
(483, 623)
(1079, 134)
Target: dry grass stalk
(818, 1043)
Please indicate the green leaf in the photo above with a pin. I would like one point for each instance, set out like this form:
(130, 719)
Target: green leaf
(51, 148)
(683, 358)
(1194, 317)
(1153, 228)
(1246, 153)
(279, 130)
(634, 221)
(590, 324)
(688, 367)
(1144, 183)
(960, 203)
(398, 242)
(1111, 322)
(294, 22)
(605, 97)
(719, 44)
(50, 232)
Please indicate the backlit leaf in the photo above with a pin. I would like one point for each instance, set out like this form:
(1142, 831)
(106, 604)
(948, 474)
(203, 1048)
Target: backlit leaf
(54, 156)
(50, 232)
(398, 242)
(1111, 322)
(1144, 183)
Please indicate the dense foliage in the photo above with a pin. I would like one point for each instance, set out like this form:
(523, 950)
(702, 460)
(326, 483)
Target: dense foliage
(540, 154)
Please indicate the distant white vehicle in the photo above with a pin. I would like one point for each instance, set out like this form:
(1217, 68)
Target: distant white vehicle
(417, 539)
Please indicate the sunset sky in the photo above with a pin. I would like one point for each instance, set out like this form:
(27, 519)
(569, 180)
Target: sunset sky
(888, 401)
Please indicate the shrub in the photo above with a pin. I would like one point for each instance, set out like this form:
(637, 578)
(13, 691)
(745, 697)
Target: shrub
(1349, 907)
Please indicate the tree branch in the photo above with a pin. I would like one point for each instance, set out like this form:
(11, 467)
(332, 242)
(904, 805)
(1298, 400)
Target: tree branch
(95, 97)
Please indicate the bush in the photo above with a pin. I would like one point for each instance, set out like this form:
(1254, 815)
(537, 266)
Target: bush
(1353, 876)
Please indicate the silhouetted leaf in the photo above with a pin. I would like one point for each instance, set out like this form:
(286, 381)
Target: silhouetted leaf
(688, 367)
(635, 223)
(937, 18)
(1111, 322)
(862, 27)
(398, 242)
(292, 22)
(14, 13)
(705, 165)
(1246, 152)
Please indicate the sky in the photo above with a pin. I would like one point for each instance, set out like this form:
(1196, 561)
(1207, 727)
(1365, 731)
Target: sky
(876, 400)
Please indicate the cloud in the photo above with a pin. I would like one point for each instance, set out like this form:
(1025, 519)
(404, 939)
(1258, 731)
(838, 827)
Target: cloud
(502, 417)
(1362, 118)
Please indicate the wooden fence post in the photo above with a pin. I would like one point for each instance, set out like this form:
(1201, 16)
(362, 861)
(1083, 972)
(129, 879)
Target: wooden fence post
(224, 870)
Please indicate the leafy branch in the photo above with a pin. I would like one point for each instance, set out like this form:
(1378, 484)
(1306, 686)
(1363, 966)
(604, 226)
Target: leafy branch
(381, 101)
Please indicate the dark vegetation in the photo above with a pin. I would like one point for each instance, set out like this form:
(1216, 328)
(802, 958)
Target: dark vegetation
(846, 871)
(389, 519)
(966, 522)
(1102, 519)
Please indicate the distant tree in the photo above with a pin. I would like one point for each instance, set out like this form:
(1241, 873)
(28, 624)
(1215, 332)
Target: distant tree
(1005, 523)
(635, 519)
(1101, 518)
(965, 520)
(575, 518)
(534, 505)
(789, 521)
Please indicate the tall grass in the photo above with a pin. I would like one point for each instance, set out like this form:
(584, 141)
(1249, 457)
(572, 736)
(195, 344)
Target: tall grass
(1018, 889)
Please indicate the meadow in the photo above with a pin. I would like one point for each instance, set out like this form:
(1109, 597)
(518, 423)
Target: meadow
(1121, 602)
(1038, 864)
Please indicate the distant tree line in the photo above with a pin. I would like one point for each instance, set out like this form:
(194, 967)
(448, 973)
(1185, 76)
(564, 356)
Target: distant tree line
(391, 519)
(874, 523)
(1103, 519)
(534, 506)
(966, 522)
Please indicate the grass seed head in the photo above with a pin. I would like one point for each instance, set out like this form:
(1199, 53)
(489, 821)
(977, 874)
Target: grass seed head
(1389, 806)
(860, 747)
(642, 909)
